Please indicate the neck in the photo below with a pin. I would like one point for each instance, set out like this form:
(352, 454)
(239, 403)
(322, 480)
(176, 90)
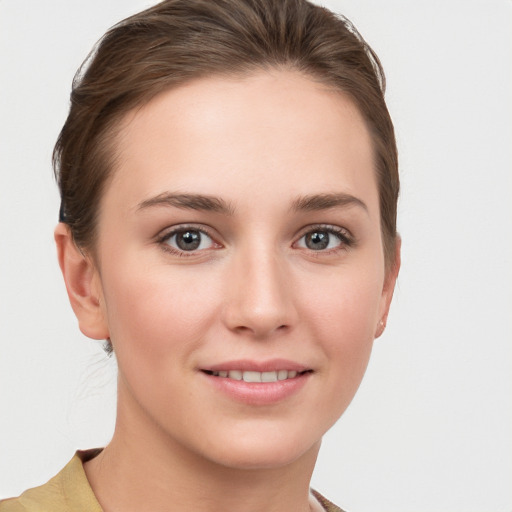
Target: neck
(143, 469)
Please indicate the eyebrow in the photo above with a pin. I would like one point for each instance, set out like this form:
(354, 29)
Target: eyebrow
(326, 201)
(189, 202)
(314, 202)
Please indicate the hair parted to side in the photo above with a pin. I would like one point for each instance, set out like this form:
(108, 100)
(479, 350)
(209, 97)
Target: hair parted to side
(180, 40)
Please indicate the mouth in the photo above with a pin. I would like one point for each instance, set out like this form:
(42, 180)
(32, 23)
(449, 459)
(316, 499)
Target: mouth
(257, 377)
(256, 382)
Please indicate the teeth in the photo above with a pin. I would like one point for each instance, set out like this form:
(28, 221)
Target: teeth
(235, 374)
(250, 376)
(282, 374)
(268, 376)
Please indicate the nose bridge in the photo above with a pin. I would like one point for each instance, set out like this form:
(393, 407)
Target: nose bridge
(260, 299)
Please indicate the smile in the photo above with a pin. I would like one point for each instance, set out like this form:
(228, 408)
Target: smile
(254, 382)
(254, 376)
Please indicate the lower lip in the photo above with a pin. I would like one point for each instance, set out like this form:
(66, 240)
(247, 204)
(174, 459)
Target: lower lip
(258, 393)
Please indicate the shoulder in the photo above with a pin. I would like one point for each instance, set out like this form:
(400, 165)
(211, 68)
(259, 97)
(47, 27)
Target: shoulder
(68, 491)
(45, 498)
(11, 505)
(326, 504)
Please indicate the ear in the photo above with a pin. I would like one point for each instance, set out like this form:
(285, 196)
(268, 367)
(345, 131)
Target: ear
(388, 288)
(82, 284)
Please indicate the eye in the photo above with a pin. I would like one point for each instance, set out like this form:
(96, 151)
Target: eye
(187, 240)
(324, 239)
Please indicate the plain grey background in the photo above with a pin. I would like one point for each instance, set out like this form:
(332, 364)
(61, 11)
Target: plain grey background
(429, 430)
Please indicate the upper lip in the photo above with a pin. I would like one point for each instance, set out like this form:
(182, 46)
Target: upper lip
(247, 365)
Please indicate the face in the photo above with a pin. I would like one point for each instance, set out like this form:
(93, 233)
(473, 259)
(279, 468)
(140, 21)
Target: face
(239, 241)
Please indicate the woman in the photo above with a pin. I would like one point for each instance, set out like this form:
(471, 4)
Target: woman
(228, 176)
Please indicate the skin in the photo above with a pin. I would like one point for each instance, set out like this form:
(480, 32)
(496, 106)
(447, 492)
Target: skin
(253, 290)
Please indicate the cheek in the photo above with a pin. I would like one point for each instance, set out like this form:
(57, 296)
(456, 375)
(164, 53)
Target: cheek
(344, 315)
(156, 308)
(346, 306)
(158, 319)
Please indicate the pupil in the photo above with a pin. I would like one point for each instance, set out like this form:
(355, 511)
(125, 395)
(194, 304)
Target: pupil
(317, 240)
(188, 240)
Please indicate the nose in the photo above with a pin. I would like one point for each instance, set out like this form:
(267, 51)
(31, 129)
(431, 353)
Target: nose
(260, 300)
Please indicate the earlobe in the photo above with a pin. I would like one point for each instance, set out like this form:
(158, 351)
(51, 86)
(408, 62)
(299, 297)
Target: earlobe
(82, 284)
(381, 327)
(389, 288)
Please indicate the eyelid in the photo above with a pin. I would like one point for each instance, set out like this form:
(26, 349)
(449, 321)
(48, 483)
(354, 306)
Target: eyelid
(347, 239)
(170, 231)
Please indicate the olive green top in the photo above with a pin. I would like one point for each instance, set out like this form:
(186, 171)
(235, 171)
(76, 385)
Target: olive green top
(69, 491)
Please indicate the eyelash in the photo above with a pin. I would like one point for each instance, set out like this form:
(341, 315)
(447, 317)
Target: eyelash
(167, 235)
(344, 236)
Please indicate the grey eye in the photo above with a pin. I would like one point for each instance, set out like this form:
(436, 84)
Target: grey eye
(319, 240)
(189, 240)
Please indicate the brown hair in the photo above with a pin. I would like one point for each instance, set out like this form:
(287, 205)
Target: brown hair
(179, 40)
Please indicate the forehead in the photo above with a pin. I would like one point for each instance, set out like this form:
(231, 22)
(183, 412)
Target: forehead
(221, 135)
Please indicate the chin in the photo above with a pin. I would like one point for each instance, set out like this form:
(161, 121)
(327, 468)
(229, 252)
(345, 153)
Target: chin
(259, 459)
(263, 448)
